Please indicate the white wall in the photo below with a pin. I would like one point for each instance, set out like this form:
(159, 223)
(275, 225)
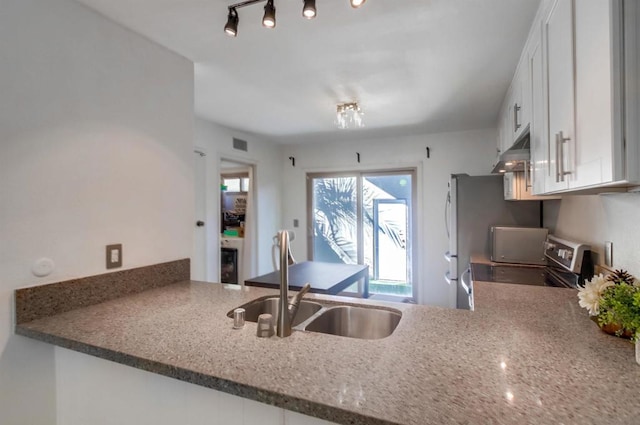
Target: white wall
(469, 152)
(217, 142)
(96, 137)
(595, 219)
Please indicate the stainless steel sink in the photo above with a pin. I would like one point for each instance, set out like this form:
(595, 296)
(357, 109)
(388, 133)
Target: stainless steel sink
(255, 308)
(355, 322)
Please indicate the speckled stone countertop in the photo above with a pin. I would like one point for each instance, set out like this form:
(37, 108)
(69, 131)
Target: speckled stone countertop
(527, 355)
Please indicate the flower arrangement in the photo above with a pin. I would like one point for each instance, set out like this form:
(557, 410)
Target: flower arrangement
(614, 301)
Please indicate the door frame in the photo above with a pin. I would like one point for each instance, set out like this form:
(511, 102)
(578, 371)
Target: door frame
(252, 234)
(413, 233)
(201, 253)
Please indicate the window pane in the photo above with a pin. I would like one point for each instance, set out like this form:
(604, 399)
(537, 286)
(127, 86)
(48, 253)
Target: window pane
(245, 184)
(233, 185)
(335, 218)
(386, 207)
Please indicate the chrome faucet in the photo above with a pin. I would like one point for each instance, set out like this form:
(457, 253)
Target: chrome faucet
(287, 309)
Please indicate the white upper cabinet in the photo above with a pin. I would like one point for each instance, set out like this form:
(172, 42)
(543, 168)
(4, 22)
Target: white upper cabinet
(580, 95)
(538, 141)
(516, 109)
(520, 104)
(591, 161)
(558, 40)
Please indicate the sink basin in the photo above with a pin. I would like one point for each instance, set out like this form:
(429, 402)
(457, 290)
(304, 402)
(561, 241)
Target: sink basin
(356, 322)
(255, 308)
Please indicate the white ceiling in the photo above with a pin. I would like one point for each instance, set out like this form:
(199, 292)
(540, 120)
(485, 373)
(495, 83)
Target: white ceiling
(413, 65)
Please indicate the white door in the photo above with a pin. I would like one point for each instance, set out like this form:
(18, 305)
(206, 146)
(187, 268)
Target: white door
(592, 158)
(558, 31)
(539, 140)
(199, 256)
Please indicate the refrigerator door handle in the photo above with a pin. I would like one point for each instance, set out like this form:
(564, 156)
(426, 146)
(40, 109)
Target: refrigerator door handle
(468, 287)
(448, 256)
(447, 209)
(448, 279)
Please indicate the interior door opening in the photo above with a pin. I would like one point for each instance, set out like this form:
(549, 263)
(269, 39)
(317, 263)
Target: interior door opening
(365, 218)
(237, 221)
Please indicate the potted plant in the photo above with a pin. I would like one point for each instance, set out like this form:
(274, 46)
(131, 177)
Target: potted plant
(614, 303)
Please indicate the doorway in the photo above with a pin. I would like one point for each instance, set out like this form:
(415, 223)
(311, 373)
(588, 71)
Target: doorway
(366, 218)
(237, 221)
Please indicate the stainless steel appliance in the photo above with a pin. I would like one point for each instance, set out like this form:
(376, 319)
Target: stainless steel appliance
(228, 265)
(232, 250)
(569, 264)
(474, 205)
(518, 245)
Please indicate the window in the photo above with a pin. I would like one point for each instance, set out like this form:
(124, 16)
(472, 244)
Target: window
(365, 218)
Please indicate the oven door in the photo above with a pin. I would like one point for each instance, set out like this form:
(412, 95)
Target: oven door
(555, 276)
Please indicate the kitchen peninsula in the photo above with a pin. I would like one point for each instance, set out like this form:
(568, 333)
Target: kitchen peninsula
(527, 355)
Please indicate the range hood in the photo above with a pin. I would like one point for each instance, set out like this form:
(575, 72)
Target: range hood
(515, 158)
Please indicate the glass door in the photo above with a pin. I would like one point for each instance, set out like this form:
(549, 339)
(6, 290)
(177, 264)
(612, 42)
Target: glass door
(335, 219)
(365, 218)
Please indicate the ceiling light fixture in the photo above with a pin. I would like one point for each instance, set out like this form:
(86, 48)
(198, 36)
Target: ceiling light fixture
(232, 23)
(309, 9)
(349, 115)
(269, 20)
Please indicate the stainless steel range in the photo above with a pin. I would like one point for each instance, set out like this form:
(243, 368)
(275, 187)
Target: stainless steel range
(569, 264)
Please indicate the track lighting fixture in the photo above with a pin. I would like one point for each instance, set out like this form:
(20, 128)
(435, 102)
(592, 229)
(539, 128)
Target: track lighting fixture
(232, 23)
(309, 9)
(269, 19)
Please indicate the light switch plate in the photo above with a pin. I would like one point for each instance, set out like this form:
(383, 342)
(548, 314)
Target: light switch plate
(114, 256)
(608, 254)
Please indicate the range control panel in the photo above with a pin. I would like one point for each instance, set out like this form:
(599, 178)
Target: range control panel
(566, 253)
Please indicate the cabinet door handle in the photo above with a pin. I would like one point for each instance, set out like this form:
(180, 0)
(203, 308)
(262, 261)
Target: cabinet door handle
(516, 124)
(561, 141)
(527, 176)
(558, 144)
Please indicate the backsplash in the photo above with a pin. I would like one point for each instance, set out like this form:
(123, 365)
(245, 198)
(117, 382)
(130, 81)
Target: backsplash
(595, 219)
(47, 300)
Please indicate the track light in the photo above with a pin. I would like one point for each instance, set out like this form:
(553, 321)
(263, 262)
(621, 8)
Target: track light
(232, 23)
(309, 9)
(269, 19)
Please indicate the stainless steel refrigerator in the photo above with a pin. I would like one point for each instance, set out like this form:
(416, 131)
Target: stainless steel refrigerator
(474, 204)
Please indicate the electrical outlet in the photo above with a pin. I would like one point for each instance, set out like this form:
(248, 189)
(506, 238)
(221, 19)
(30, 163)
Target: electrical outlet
(296, 223)
(114, 256)
(608, 254)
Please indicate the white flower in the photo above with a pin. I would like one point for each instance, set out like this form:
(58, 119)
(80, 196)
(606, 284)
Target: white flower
(592, 292)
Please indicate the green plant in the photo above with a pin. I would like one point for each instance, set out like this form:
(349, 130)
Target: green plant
(620, 304)
(614, 302)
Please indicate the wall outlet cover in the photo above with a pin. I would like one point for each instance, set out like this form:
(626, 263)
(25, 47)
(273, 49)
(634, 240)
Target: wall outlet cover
(114, 256)
(608, 254)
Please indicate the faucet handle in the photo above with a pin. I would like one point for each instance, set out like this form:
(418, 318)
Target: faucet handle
(305, 288)
(294, 301)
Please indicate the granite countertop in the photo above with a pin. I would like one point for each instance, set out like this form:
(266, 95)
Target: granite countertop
(527, 355)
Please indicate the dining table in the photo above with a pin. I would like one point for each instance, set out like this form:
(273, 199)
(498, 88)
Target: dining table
(325, 278)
